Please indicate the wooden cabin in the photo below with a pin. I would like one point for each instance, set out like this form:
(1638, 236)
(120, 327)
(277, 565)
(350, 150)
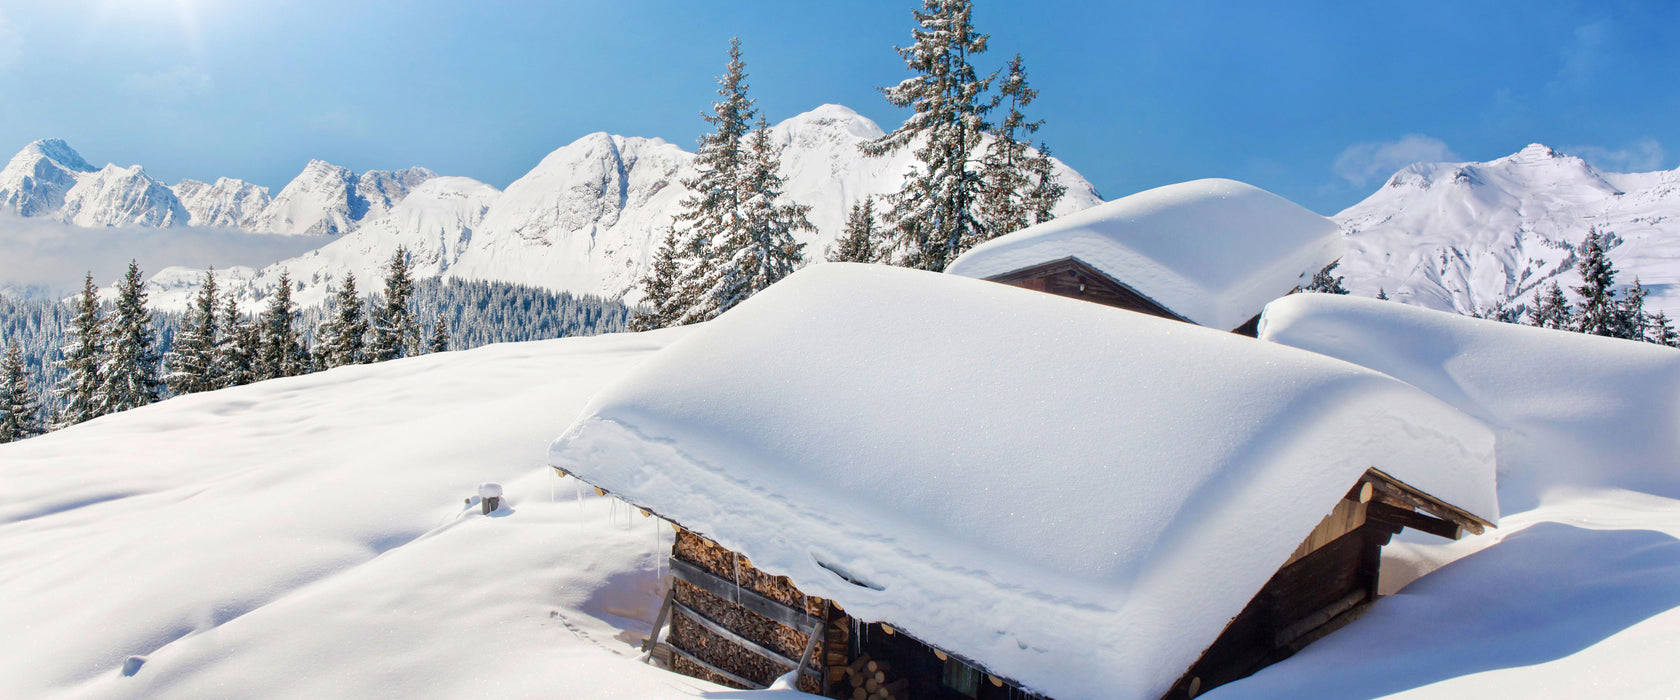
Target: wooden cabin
(1032, 497)
(1209, 252)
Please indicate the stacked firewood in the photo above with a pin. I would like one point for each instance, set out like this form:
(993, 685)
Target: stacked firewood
(728, 565)
(868, 678)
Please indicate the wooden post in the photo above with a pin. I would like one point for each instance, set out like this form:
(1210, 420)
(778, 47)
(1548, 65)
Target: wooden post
(659, 620)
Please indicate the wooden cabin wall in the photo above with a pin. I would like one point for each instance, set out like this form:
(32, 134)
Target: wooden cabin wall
(912, 669)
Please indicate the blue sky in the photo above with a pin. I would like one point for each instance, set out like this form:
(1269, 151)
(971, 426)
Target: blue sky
(1316, 101)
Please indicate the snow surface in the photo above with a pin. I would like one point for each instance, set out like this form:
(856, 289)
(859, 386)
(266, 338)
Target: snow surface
(1213, 251)
(1577, 594)
(855, 418)
(306, 537)
(1473, 237)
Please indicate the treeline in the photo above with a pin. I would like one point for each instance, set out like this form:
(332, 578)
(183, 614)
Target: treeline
(65, 363)
(1599, 311)
(975, 176)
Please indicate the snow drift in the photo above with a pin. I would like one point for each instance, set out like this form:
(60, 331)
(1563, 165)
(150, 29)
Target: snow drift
(1111, 488)
(1213, 251)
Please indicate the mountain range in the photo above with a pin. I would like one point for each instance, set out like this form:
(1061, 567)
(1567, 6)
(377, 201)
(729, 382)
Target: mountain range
(584, 220)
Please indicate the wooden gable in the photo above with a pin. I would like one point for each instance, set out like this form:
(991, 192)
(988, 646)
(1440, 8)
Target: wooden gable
(1072, 277)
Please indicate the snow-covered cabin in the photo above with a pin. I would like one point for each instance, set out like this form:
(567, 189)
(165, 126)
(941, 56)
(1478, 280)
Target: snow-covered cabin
(1211, 252)
(988, 492)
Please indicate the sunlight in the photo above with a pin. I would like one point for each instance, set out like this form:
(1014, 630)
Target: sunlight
(184, 14)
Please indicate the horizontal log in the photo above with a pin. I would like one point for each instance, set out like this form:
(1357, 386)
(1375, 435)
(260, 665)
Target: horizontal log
(798, 620)
(1306, 625)
(731, 636)
(1405, 495)
(1405, 517)
(749, 685)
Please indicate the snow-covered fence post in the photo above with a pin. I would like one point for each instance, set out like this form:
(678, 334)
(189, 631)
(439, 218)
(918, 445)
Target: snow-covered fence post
(490, 495)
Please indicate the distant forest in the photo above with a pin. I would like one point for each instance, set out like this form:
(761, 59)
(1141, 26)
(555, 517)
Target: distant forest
(477, 313)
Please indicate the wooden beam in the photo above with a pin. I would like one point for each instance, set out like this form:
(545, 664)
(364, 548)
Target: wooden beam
(1390, 488)
(659, 620)
(732, 636)
(1405, 517)
(798, 620)
(750, 685)
(1306, 625)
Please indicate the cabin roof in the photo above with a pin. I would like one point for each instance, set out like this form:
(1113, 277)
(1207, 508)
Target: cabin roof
(1213, 251)
(1074, 496)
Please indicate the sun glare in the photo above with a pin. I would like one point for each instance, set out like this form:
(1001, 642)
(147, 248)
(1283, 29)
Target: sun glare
(182, 14)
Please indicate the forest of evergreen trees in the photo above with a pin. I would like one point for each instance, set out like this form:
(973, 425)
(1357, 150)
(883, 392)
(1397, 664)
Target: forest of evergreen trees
(64, 362)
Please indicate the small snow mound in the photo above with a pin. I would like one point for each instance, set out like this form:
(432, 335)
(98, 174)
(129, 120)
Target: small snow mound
(489, 490)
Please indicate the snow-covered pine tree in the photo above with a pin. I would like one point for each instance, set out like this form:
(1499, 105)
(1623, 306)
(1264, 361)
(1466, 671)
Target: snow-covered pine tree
(1046, 189)
(714, 211)
(194, 363)
(1660, 330)
(1630, 313)
(1382, 294)
(1008, 163)
(280, 352)
(658, 285)
(129, 367)
(761, 250)
(84, 346)
(1552, 309)
(395, 333)
(857, 244)
(1325, 281)
(20, 409)
(1598, 310)
(343, 337)
(238, 347)
(936, 215)
(440, 337)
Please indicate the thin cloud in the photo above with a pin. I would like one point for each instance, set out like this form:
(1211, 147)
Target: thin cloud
(179, 82)
(11, 43)
(1641, 156)
(1362, 162)
(52, 257)
(1583, 58)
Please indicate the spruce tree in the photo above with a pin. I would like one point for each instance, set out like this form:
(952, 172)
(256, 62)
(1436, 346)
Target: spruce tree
(1382, 294)
(84, 346)
(658, 305)
(343, 336)
(857, 244)
(760, 251)
(440, 336)
(1551, 310)
(1630, 313)
(1598, 311)
(1020, 187)
(238, 347)
(1660, 330)
(20, 409)
(129, 366)
(195, 361)
(394, 331)
(280, 352)
(936, 216)
(1325, 281)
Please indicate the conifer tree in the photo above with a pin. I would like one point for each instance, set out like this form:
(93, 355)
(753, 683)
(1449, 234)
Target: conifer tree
(440, 336)
(857, 244)
(1660, 330)
(129, 366)
(1630, 313)
(1382, 294)
(280, 352)
(1325, 281)
(936, 216)
(84, 346)
(394, 331)
(659, 307)
(1598, 310)
(1551, 310)
(20, 409)
(238, 348)
(761, 250)
(195, 361)
(343, 336)
(1021, 187)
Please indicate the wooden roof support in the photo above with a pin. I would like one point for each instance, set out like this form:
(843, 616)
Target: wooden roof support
(798, 620)
(749, 685)
(1399, 493)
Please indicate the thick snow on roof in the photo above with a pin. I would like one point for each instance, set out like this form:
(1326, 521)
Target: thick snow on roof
(1570, 409)
(1213, 251)
(1074, 496)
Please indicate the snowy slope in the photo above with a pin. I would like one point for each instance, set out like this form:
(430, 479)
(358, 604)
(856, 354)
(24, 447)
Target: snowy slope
(114, 196)
(228, 203)
(1577, 594)
(328, 200)
(36, 180)
(1471, 237)
(308, 538)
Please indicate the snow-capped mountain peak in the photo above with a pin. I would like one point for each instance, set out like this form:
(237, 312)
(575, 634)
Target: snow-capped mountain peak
(35, 181)
(116, 196)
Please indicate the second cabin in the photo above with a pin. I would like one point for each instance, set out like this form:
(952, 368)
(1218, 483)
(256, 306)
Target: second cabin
(1211, 252)
(895, 483)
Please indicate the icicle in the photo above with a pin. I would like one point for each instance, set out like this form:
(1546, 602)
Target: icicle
(578, 486)
(736, 558)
